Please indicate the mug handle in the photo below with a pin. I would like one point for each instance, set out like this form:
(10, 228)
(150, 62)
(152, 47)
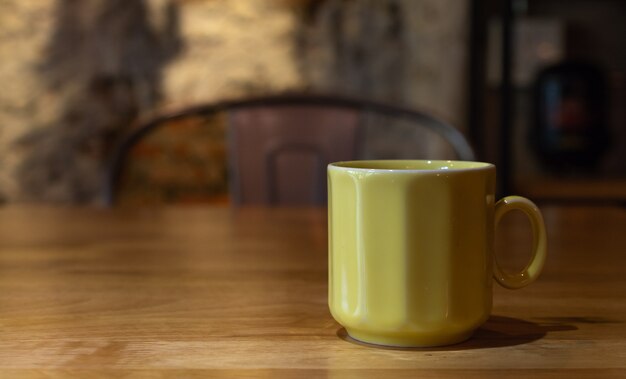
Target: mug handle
(538, 258)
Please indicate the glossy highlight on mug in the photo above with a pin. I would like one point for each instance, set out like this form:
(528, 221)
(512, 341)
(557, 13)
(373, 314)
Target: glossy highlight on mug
(399, 165)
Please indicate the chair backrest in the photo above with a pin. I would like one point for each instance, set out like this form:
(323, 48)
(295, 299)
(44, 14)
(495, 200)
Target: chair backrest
(279, 146)
(278, 154)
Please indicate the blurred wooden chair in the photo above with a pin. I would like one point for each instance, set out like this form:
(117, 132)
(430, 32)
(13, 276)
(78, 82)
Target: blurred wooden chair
(277, 147)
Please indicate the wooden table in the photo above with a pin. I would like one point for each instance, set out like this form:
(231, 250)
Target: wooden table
(192, 292)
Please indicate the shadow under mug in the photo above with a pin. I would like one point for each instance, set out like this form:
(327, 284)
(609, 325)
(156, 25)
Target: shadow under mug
(411, 255)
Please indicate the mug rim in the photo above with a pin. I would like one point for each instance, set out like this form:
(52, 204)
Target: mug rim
(438, 166)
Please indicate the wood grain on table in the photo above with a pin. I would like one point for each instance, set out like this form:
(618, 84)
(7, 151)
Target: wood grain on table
(220, 292)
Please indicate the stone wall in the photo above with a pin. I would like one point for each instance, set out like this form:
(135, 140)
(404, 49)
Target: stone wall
(76, 73)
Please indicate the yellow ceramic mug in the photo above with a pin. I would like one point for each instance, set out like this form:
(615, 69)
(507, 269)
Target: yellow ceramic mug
(411, 249)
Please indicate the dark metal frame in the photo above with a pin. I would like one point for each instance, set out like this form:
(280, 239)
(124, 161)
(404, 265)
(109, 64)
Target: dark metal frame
(476, 81)
(453, 136)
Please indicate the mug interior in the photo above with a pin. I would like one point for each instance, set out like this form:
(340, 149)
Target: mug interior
(411, 165)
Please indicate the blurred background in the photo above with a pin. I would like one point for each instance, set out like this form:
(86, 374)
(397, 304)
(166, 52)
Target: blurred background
(538, 87)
